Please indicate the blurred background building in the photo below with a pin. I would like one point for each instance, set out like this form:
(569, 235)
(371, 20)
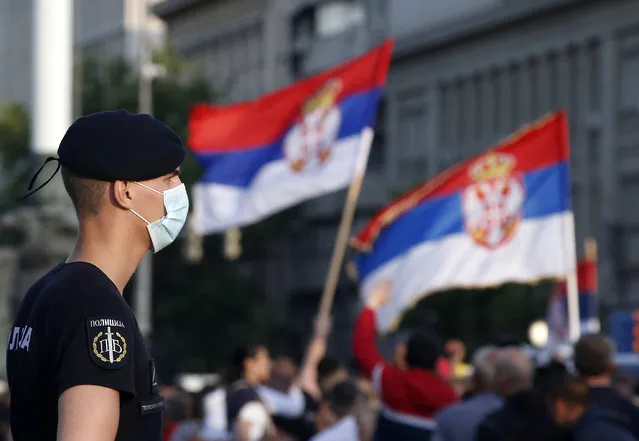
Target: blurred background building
(102, 29)
(465, 74)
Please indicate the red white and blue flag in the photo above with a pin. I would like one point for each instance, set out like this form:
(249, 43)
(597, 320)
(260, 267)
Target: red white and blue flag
(298, 143)
(502, 216)
(557, 316)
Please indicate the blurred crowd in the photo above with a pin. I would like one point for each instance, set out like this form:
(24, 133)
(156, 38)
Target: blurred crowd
(426, 393)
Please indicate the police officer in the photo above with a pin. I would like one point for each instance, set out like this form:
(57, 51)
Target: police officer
(77, 365)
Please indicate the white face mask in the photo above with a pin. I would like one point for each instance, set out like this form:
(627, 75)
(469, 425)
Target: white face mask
(166, 229)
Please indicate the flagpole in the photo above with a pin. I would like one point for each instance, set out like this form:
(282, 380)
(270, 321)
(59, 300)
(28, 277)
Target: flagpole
(348, 214)
(572, 289)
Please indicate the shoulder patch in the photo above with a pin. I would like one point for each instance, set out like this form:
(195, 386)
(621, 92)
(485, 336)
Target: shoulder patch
(108, 342)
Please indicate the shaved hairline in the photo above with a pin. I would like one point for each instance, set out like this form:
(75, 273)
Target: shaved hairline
(86, 194)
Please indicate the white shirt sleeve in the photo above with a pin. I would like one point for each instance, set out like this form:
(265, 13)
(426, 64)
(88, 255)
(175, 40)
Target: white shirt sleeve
(257, 416)
(290, 405)
(215, 410)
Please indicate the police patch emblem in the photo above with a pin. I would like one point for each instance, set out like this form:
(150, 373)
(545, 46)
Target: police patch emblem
(107, 340)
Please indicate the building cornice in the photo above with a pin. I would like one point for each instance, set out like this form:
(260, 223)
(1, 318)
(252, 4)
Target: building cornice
(505, 14)
(170, 8)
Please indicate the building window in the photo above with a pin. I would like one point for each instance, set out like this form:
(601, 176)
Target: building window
(378, 149)
(303, 29)
(335, 17)
(412, 147)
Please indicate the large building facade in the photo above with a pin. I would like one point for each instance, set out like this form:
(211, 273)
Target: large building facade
(102, 28)
(465, 74)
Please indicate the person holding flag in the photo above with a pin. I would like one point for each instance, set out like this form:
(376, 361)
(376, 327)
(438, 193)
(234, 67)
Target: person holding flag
(411, 396)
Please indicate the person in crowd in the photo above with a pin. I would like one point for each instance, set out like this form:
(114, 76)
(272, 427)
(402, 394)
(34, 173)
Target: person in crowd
(547, 379)
(400, 339)
(283, 374)
(176, 410)
(169, 391)
(624, 383)
(214, 409)
(456, 352)
(337, 414)
(459, 422)
(281, 388)
(294, 400)
(594, 361)
(247, 416)
(291, 402)
(191, 426)
(571, 410)
(329, 373)
(365, 386)
(411, 396)
(520, 418)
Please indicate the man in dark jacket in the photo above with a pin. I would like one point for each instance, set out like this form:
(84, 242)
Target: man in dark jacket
(594, 361)
(523, 417)
(571, 410)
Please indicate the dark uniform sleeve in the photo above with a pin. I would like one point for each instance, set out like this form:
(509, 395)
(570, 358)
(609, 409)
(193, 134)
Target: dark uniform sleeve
(96, 344)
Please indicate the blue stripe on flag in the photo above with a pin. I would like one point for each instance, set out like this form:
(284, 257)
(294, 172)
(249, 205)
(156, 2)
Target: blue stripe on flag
(587, 305)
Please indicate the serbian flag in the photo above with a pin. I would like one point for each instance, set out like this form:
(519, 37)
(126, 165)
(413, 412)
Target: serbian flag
(557, 316)
(292, 145)
(502, 216)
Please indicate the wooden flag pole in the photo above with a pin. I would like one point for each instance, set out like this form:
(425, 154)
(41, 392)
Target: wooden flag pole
(343, 233)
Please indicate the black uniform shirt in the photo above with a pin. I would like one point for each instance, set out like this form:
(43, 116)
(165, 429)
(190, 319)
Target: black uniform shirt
(74, 328)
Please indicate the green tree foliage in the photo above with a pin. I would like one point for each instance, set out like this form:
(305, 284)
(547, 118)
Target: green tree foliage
(480, 316)
(14, 133)
(14, 153)
(202, 311)
(113, 84)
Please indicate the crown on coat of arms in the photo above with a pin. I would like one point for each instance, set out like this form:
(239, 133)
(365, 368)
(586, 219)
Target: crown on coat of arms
(492, 165)
(324, 97)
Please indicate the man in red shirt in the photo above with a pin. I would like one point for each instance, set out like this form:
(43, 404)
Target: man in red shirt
(411, 396)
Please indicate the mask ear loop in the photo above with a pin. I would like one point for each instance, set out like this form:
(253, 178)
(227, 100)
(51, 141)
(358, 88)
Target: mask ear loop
(35, 176)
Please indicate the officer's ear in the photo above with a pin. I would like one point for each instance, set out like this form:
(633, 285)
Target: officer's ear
(121, 194)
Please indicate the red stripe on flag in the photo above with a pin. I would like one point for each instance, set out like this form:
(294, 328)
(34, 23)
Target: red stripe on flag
(263, 121)
(587, 280)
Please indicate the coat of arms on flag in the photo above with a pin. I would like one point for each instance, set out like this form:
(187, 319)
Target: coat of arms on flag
(492, 203)
(309, 143)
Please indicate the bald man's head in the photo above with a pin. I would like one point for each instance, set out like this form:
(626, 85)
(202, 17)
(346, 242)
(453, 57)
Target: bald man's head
(514, 371)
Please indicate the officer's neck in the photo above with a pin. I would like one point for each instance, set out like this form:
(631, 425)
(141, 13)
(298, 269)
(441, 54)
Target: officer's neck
(114, 254)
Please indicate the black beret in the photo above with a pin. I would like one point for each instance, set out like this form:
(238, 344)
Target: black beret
(118, 145)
